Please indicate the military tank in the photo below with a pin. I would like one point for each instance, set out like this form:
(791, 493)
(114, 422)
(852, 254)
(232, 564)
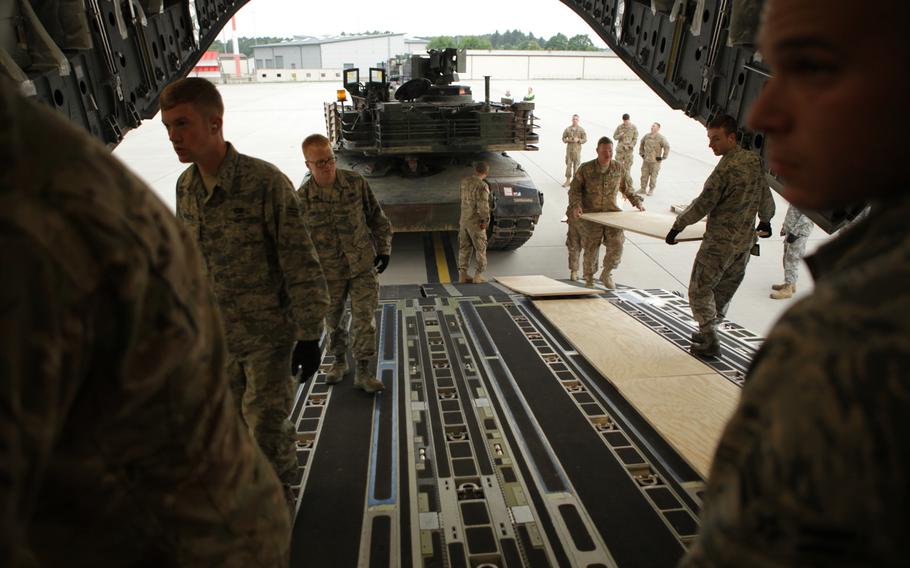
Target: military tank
(415, 143)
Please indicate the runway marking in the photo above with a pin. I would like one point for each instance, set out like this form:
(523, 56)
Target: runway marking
(442, 265)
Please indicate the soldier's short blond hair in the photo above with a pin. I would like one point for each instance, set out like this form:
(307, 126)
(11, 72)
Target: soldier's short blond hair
(481, 167)
(604, 140)
(315, 140)
(199, 92)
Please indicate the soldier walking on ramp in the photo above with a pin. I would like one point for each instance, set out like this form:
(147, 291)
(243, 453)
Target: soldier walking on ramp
(121, 445)
(735, 192)
(812, 467)
(594, 190)
(625, 135)
(653, 150)
(797, 228)
(354, 240)
(246, 219)
(475, 218)
(573, 137)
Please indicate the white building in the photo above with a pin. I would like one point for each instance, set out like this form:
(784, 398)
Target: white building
(314, 59)
(508, 64)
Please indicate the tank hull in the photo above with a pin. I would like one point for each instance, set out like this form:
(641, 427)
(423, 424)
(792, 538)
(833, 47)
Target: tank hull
(430, 200)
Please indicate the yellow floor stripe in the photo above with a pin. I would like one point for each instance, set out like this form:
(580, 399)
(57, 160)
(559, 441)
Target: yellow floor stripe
(441, 265)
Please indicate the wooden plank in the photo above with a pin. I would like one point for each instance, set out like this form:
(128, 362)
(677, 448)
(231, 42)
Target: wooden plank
(686, 401)
(647, 223)
(537, 285)
(689, 411)
(619, 346)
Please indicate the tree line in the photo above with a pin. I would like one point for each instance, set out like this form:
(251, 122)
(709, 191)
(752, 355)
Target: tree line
(512, 39)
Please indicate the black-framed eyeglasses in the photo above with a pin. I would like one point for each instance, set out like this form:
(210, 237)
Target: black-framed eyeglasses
(322, 163)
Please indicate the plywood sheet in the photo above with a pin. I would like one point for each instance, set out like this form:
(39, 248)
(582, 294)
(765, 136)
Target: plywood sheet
(686, 401)
(619, 346)
(538, 285)
(688, 411)
(647, 223)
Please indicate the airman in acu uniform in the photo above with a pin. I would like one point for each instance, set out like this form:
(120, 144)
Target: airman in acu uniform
(354, 240)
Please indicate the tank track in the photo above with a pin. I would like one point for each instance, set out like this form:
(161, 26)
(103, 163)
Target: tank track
(510, 233)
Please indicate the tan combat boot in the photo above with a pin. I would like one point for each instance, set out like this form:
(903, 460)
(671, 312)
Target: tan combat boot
(606, 278)
(709, 347)
(478, 278)
(336, 373)
(589, 281)
(364, 379)
(783, 293)
(573, 275)
(464, 278)
(778, 286)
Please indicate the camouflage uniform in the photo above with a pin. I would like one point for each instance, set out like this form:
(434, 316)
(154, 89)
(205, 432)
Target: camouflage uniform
(349, 230)
(735, 192)
(652, 146)
(475, 211)
(812, 468)
(119, 440)
(797, 224)
(268, 283)
(594, 189)
(625, 137)
(574, 240)
(573, 137)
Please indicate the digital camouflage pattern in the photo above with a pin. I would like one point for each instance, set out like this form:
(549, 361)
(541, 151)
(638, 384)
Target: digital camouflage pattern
(350, 230)
(120, 444)
(573, 240)
(347, 224)
(624, 137)
(797, 224)
(812, 468)
(595, 191)
(735, 192)
(268, 282)
(475, 211)
(652, 146)
(573, 137)
(262, 385)
(363, 290)
(258, 251)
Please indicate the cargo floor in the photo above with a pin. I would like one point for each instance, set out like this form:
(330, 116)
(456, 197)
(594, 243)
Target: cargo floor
(494, 443)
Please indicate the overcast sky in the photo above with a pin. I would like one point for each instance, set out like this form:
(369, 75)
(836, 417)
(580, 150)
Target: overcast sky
(414, 17)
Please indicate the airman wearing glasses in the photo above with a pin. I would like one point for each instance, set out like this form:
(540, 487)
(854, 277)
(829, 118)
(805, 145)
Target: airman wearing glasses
(263, 266)
(354, 240)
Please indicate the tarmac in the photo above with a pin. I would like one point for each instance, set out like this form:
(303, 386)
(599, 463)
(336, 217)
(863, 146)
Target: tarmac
(270, 120)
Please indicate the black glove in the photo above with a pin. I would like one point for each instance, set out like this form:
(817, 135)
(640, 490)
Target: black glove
(791, 238)
(763, 229)
(671, 237)
(381, 262)
(660, 158)
(305, 359)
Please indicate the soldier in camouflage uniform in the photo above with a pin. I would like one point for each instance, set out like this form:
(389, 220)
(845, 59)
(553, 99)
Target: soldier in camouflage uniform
(245, 217)
(472, 229)
(573, 137)
(797, 228)
(594, 190)
(812, 468)
(625, 135)
(119, 441)
(653, 150)
(354, 240)
(736, 191)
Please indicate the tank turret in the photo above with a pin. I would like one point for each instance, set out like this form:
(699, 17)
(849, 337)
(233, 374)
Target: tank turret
(417, 141)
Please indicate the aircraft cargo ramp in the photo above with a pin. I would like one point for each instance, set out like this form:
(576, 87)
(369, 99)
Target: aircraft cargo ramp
(497, 443)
